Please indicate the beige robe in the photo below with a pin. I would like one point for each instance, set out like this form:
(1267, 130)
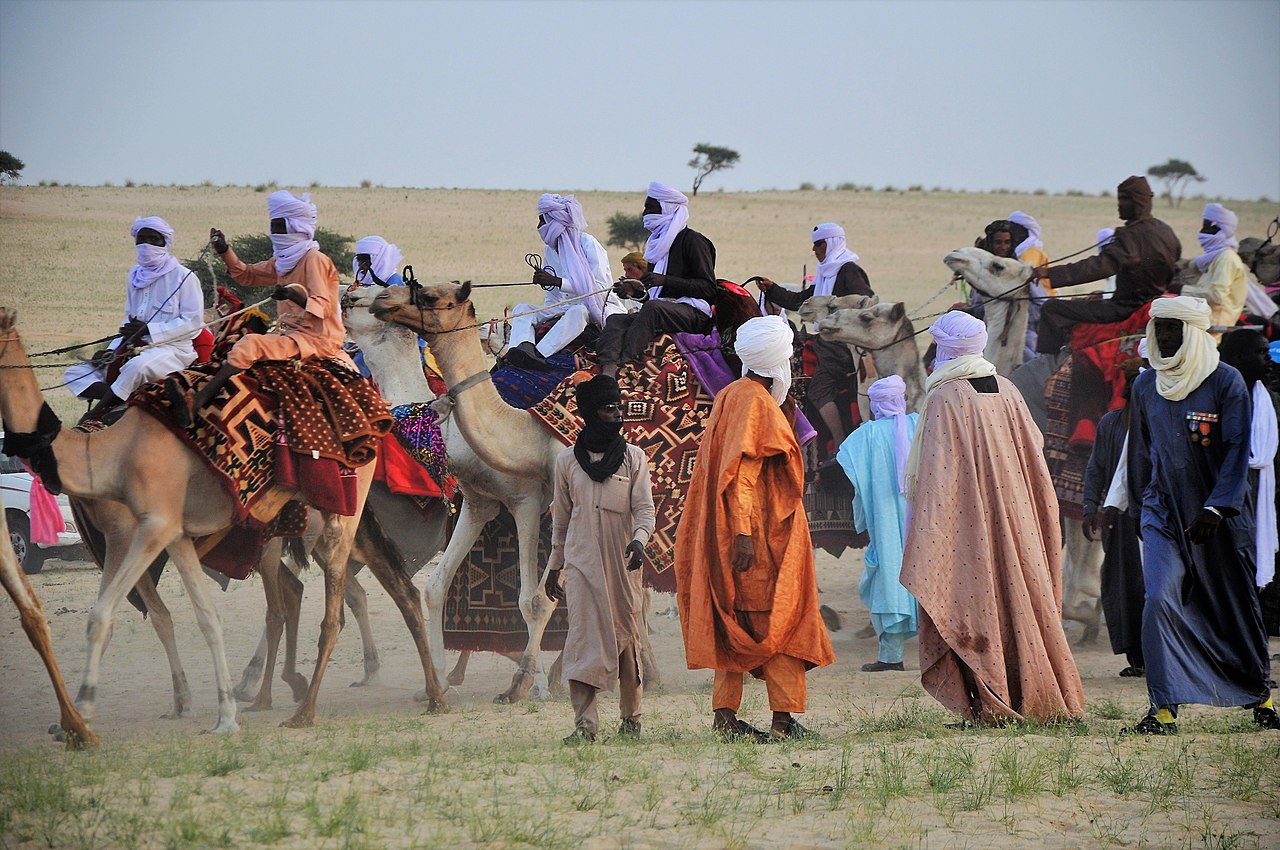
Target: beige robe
(591, 525)
(984, 559)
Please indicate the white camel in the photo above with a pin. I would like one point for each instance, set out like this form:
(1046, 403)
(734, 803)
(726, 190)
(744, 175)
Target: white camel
(884, 332)
(1000, 281)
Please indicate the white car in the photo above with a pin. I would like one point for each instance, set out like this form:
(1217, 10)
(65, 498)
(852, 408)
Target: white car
(16, 484)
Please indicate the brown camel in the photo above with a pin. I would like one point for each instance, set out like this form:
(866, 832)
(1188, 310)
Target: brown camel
(173, 498)
(36, 625)
(884, 332)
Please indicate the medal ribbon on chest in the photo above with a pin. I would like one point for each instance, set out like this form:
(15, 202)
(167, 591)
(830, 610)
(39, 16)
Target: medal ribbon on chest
(1199, 426)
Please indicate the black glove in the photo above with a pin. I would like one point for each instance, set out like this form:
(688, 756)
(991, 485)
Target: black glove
(634, 554)
(1204, 527)
(289, 293)
(133, 330)
(554, 591)
(218, 239)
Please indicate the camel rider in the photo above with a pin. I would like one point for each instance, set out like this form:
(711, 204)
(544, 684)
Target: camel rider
(838, 273)
(305, 285)
(634, 266)
(677, 291)
(1017, 237)
(377, 262)
(581, 273)
(1224, 280)
(163, 309)
(1141, 255)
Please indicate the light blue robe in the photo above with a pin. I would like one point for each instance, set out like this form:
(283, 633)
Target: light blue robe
(880, 509)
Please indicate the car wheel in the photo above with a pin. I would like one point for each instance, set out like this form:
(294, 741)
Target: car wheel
(30, 556)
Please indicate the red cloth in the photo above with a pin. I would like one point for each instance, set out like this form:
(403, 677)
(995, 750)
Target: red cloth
(401, 473)
(46, 516)
(1097, 350)
(203, 344)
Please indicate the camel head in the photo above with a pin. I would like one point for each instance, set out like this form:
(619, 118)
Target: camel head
(819, 307)
(358, 315)
(874, 327)
(988, 274)
(428, 309)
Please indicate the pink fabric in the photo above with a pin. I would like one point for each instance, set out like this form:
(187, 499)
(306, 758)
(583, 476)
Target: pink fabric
(46, 516)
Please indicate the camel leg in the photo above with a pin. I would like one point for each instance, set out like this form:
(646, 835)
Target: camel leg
(291, 593)
(183, 554)
(534, 604)
(36, 625)
(405, 595)
(339, 535)
(151, 537)
(358, 602)
(476, 513)
(252, 674)
(459, 672)
(162, 622)
(271, 572)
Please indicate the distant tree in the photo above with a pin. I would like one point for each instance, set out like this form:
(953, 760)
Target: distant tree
(627, 231)
(709, 158)
(256, 247)
(10, 167)
(1175, 175)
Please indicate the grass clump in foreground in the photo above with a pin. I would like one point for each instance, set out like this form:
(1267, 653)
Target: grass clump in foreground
(490, 776)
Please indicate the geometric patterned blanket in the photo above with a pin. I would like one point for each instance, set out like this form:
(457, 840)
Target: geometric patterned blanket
(664, 412)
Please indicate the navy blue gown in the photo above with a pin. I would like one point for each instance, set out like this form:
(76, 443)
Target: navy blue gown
(1202, 632)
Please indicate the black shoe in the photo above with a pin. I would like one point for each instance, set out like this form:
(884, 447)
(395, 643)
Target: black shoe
(1132, 672)
(793, 731)
(1149, 725)
(881, 666)
(580, 735)
(527, 356)
(1266, 718)
(741, 730)
(179, 402)
(629, 729)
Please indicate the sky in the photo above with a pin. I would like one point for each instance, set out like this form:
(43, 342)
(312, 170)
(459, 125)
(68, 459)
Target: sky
(563, 96)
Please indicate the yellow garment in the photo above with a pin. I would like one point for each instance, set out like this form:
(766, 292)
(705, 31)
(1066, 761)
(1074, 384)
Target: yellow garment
(1036, 258)
(1225, 284)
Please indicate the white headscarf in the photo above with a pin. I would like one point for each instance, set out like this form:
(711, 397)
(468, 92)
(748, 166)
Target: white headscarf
(764, 345)
(154, 262)
(824, 279)
(299, 216)
(1143, 348)
(1178, 376)
(1105, 235)
(384, 258)
(958, 334)
(1033, 232)
(888, 397)
(664, 227)
(561, 231)
(1215, 243)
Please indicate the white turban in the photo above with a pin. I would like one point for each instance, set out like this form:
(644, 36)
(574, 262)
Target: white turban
(664, 227)
(1105, 235)
(824, 279)
(957, 334)
(764, 345)
(1033, 232)
(1215, 243)
(154, 262)
(384, 258)
(299, 216)
(561, 231)
(1142, 348)
(888, 397)
(1178, 376)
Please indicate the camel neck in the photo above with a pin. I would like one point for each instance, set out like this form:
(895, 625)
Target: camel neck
(397, 367)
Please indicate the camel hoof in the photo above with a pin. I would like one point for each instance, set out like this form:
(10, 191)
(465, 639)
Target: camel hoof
(225, 727)
(244, 694)
(256, 705)
(436, 707)
(299, 722)
(503, 699)
(60, 735)
(54, 728)
(455, 678)
(298, 683)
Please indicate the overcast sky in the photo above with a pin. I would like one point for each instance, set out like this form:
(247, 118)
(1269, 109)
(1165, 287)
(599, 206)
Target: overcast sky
(563, 96)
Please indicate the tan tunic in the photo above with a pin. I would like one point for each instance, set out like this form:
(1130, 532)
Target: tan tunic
(591, 525)
(984, 559)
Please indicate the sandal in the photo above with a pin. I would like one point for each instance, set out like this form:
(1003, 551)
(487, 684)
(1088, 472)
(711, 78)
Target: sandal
(1149, 725)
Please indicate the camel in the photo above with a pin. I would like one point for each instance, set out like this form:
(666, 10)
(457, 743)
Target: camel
(174, 498)
(36, 625)
(885, 332)
(1006, 319)
(480, 427)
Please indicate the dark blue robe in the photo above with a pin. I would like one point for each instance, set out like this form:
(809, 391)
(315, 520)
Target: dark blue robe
(1202, 632)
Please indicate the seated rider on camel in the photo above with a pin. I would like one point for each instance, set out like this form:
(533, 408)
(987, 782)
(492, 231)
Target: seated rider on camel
(306, 287)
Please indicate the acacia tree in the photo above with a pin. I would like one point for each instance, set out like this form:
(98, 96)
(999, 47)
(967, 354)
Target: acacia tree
(709, 158)
(10, 167)
(1175, 175)
(627, 231)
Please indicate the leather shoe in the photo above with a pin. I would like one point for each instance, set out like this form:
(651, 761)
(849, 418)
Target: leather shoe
(629, 729)
(1266, 718)
(527, 356)
(1149, 725)
(881, 666)
(579, 735)
(793, 731)
(741, 730)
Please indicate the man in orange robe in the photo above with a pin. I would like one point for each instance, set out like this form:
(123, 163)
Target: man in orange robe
(745, 579)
